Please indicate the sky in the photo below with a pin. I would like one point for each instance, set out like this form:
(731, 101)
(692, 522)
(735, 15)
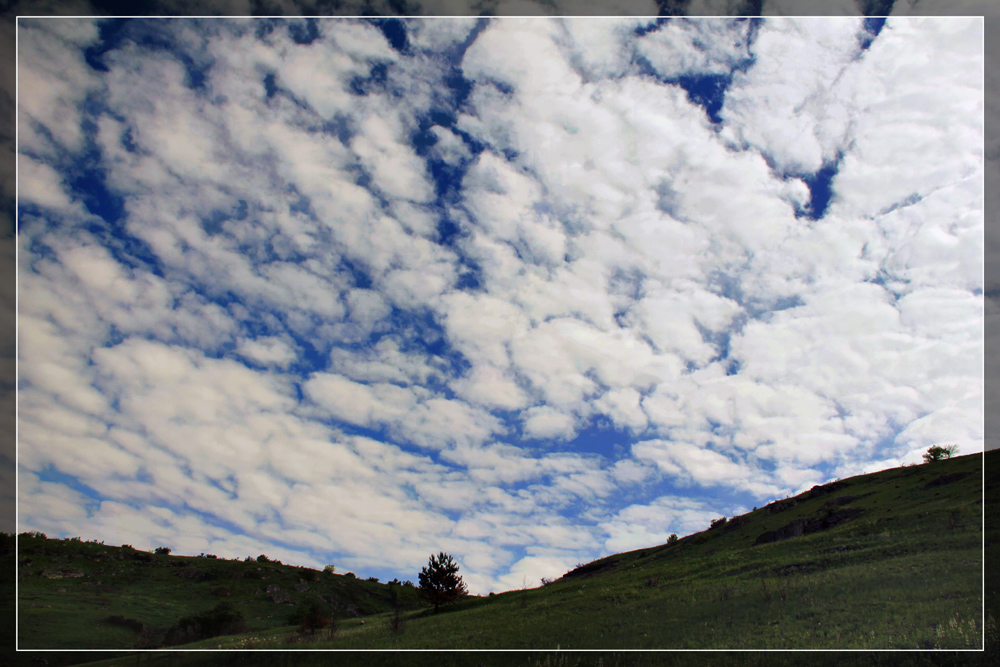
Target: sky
(527, 291)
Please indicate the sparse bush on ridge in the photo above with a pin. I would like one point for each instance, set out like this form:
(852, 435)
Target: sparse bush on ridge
(938, 453)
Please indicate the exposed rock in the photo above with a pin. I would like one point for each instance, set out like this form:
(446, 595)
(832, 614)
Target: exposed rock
(794, 529)
(781, 505)
(800, 527)
(946, 479)
(824, 489)
(277, 595)
(591, 569)
(52, 573)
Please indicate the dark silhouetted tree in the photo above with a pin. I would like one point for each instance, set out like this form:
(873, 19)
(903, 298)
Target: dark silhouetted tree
(938, 453)
(439, 581)
(312, 618)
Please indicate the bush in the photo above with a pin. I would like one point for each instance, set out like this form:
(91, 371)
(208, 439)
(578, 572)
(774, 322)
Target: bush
(672, 539)
(223, 619)
(124, 622)
(937, 453)
(329, 569)
(310, 617)
(717, 523)
(349, 575)
(162, 551)
(263, 559)
(374, 580)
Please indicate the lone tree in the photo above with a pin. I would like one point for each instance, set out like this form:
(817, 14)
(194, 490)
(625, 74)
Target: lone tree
(937, 453)
(439, 581)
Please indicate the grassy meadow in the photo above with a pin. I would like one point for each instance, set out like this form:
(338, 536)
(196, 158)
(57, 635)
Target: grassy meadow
(891, 560)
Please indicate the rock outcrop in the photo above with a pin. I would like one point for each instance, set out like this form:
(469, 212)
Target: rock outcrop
(800, 527)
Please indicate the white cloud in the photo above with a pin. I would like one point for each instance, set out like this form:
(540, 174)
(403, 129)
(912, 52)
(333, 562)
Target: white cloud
(42, 185)
(630, 259)
(52, 61)
(544, 423)
(267, 351)
(685, 48)
(638, 526)
(491, 387)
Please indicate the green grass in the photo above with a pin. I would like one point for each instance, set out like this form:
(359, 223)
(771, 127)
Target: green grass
(905, 573)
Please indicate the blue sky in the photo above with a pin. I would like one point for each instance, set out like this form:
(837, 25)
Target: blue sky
(526, 291)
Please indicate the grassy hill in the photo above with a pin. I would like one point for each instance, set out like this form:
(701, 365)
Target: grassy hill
(76, 594)
(891, 560)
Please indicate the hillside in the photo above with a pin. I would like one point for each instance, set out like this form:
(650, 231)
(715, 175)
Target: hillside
(76, 594)
(889, 560)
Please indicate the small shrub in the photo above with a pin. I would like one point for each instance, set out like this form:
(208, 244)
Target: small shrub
(938, 453)
(223, 619)
(717, 523)
(329, 569)
(672, 539)
(130, 623)
(374, 580)
(310, 617)
(128, 547)
(349, 575)
(263, 559)
(397, 622)
(162, 551)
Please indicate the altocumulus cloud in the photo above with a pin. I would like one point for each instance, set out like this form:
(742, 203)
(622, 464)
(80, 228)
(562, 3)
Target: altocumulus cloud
(528, 291)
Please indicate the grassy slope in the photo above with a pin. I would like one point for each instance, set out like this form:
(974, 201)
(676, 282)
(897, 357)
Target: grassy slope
(905, 573)
(897, 575)
(71, 612)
